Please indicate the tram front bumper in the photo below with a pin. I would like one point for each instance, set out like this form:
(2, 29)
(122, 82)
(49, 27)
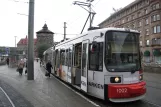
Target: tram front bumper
(126, 90)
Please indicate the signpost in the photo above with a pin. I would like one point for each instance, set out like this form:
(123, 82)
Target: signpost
(7, 49)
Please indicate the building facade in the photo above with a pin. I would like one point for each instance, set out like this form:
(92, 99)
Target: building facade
(44, 36)
(144, 16)
(22, 46)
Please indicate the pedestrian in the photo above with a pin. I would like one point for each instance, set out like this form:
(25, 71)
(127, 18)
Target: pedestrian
(25, 61)
(48, 68)
(26, 67)
(7, 60)
(20, 67)
(40, 62)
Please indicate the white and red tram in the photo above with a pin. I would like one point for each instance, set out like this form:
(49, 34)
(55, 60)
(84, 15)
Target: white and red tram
(104, 63)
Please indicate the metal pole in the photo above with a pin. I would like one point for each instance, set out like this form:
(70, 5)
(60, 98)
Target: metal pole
(15, 41)
(85, 23)
(90, 24)
(30, 61)
(65, 30)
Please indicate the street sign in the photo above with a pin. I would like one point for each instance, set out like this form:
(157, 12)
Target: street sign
(7, 50)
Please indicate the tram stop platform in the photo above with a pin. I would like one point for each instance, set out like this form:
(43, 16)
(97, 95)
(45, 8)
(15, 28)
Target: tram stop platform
(17, 91)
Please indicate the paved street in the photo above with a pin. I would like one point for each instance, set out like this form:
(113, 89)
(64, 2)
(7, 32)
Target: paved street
(49, 92)
(43, 91)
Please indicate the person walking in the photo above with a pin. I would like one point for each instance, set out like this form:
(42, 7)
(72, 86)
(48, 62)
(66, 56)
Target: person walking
(26, 67)
(20, 67)
(40, 62)
(48, 68)
(7, 60)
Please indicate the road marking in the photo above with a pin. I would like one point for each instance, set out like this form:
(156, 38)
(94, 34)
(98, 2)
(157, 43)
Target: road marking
(152, 103)
(78, 93)
(8, 97)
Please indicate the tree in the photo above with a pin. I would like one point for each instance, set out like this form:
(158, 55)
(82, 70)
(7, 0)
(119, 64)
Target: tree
(41, 48)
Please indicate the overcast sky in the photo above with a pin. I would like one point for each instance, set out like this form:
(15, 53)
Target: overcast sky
(14, 19)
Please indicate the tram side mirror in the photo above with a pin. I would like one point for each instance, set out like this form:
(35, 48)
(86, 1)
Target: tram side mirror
(94, 46)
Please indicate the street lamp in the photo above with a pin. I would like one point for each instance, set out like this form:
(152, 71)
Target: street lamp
(15, 40)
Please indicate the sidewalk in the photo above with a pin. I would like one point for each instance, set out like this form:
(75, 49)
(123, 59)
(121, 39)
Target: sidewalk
(43, 91)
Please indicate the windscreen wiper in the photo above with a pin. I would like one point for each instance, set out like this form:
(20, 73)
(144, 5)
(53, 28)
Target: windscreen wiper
(132, 71)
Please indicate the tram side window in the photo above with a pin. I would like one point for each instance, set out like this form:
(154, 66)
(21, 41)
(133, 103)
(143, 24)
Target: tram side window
(58, 59)
(66, 57)
(77, 55)
(96, 58)
(62, 57)
(70, 58)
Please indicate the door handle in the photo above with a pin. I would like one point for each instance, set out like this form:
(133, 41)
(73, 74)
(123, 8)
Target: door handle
(93, 75)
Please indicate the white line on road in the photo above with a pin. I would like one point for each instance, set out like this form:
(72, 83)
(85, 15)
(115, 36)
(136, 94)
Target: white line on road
(152, 103)
(8, 97)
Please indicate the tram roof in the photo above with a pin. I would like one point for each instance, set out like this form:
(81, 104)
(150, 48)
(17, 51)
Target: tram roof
(101, 30)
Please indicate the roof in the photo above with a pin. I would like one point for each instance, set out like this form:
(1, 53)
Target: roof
(45, 30)
(98, 31)
(24, 41)
(126, 7)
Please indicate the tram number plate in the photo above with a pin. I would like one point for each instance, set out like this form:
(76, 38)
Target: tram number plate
(122, 90)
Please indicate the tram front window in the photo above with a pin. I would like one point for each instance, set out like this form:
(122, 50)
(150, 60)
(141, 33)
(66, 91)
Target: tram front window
(122, 51)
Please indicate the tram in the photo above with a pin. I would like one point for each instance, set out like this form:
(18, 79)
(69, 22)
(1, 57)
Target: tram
(104, 63)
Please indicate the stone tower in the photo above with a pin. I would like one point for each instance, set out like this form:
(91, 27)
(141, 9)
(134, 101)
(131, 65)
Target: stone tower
(45, 36)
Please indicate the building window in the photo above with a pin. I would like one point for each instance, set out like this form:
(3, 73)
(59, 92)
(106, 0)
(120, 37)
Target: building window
(139, 14)
(155, 17)
(156, 29)
(155, 6)
(147, 31)
(147, 43)
(147, 21)
(128, 19)
(146, 11)
(133, 26)
(158, 17)
(141, 43)
(156, 41)
(123, 21)
(133, 17)
(140, 24)
(147, 1)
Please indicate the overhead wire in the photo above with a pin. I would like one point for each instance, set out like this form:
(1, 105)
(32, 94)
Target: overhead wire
(19, 1)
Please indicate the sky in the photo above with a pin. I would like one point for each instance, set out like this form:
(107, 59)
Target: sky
(14, 17)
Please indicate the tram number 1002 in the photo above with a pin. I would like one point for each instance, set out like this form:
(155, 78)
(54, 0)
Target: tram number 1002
(121, 90)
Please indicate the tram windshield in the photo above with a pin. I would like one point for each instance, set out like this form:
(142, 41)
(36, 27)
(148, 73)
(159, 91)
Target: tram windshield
(122, 51)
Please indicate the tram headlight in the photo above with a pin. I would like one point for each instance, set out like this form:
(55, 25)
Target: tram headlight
(115, 79)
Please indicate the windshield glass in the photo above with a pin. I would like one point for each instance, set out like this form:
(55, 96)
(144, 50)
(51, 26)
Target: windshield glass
(122, 51)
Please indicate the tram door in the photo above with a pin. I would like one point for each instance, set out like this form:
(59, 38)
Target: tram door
(84, 67)
(69, 53)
